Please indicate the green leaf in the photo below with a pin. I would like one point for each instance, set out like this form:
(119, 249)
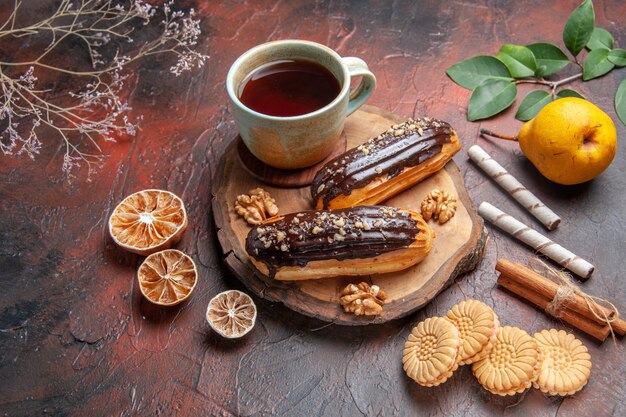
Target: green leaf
(541, 71)
(579, 27)
(549, 56)
(569, 93)
(518, 59)
(489, 98)
(597, 64)
(618, 57)
(620, 101)
(473, 71)
(600, 38)
(532, 103)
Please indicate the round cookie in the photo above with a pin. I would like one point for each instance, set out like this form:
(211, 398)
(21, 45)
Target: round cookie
(565, 363)
(431, 352)
(511, 362)
(476, 322)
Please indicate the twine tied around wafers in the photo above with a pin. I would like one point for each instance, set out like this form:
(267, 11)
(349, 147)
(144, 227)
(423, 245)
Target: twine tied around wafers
(566, 291)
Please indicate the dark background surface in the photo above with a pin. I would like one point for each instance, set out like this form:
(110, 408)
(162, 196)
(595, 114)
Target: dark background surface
(76, 337)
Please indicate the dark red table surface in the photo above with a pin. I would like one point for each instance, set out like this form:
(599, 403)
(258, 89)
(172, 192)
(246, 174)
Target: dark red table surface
(76, 337)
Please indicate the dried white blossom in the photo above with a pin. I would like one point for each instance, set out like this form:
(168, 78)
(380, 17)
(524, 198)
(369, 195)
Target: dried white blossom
(97, 111)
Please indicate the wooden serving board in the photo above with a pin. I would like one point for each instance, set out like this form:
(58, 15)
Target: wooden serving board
(457, 248)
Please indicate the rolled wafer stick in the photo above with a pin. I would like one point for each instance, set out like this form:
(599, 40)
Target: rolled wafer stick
(536, 240)
(520, 193)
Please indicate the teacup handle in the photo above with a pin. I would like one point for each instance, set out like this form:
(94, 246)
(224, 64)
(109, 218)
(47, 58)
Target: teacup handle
(357, 67)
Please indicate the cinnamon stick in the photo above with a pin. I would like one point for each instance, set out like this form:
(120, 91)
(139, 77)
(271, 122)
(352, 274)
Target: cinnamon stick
(574, 319)
(540, 291)
(548, 289)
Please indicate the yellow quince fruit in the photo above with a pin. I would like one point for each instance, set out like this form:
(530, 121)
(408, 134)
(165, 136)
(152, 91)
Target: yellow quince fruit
(570, 141)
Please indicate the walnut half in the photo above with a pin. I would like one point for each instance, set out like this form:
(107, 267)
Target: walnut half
(439, 205)
(363, 299)
(256, 207)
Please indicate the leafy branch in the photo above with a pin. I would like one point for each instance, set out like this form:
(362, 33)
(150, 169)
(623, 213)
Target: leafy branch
(96, 111)
(494, 79)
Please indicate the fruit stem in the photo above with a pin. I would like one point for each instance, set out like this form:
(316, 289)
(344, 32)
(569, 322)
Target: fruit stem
(497, 135)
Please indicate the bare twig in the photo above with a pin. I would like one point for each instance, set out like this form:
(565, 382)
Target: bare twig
(552, 84)
(96, 112)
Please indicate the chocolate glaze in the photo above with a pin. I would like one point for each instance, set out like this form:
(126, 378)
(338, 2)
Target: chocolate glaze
(356, 232)
(405, 145)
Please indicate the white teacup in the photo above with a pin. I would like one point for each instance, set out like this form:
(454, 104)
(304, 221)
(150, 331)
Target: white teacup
(304, 140)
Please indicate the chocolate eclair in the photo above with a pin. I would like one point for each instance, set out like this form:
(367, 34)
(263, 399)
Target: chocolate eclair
(383, 166)
(326, 243)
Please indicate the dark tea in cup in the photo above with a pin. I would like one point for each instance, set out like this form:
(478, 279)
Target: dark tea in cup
(290, 100)
(287, 88)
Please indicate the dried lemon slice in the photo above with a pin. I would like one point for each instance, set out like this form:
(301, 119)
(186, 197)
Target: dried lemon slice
(511, 363)
(565, 363)
(168, 277)
(476, 322)
(431, 352)
(148, 221)
(231, 313)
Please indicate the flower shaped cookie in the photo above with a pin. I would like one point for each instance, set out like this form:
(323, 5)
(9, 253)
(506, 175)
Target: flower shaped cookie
(432, 351)
(476, 322)
(565, 363)
(511, 362)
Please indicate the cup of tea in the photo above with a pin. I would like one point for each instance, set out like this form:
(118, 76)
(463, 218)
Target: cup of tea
(290, 99)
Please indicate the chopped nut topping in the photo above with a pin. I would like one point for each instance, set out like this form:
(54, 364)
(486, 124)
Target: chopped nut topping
(317, 230)
(320, 188)
(366, 226)
(363, 299)
(284, 248)
(340, 223)
(256, 207)
(358, 225)
(420, 131)
(385, 211)
(280, 236)
(338, 237)
(378, 223)
(439, 205)
(378, 170)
